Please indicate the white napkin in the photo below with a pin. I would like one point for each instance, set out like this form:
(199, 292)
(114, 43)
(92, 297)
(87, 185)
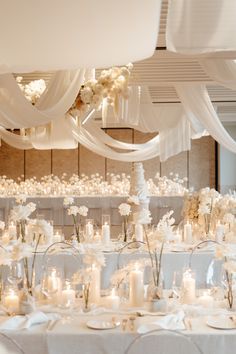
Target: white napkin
(173, 322)
(24, 322)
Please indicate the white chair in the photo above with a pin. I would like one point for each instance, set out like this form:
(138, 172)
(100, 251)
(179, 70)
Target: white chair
(163, 341)
(9, 346)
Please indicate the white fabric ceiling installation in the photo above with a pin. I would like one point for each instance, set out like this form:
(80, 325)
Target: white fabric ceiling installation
(201, 26)
(50, 35)
(48, 124)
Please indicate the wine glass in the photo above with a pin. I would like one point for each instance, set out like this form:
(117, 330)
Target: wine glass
(16, 273)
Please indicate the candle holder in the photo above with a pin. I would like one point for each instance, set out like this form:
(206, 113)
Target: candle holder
(106, 231)
(188, 289)
(68, 295)
(11, 300)
(89, 230)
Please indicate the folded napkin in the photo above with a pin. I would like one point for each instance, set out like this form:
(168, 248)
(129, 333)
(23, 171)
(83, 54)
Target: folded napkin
(173, 322)
(24, 322)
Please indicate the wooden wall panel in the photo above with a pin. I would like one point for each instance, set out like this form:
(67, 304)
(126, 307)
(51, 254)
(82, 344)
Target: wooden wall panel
(202, 163)
(151, 166)
(11, 161)
(176, 164)
(65, 161)
(113, 166)
(90, 163)
(37, 163)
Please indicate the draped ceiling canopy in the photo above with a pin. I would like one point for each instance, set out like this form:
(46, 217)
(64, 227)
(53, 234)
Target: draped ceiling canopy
(99, 34)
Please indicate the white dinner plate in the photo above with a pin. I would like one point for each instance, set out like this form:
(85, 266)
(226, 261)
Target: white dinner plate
(99, 324)
(221, 322)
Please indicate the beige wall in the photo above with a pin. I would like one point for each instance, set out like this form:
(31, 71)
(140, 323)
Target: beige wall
(198, 164)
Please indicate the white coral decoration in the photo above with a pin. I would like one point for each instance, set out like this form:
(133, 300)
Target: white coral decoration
(83, 210)
(124, 209)
(73, 210)
(165, 226)
(2, 225)
(142, 217)
(68, 201)
(22, 212)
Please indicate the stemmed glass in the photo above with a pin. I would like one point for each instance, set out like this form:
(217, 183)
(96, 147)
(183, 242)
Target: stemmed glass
(16, 273)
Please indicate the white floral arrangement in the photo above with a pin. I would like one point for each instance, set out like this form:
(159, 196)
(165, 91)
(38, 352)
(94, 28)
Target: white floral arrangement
(165, 226)
(171, 185)
(33, 90)
(110, 85)
(124, 209)
(75, 210)
(22, 212)
(208, 206)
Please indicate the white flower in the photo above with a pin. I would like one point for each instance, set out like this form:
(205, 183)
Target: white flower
(68, 201)
(204, 209)
(45, 228)
(86, 95)
(22, 212)
(124, 209)
(83, 210)
(2, 225)
(20, 199)
(73, 210)
(228, 218)
(21, 250)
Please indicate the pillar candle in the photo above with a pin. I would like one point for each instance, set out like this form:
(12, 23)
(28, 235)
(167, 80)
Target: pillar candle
(139, 232)
(206, 300)
(95, 284)
(136, 295)
(188, 233)
(106, 233)
(89, 230)
(188, 288)
(113, 301)
(68, 296)
(57, 237)
(11, 301)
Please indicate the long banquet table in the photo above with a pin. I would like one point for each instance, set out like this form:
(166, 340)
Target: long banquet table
(52, 207)
(72, 336)
(172, 262)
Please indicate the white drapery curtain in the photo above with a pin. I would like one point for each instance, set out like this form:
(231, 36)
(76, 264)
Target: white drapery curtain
(17, 112)
(201, 26)
(222, 71)
(197, 105)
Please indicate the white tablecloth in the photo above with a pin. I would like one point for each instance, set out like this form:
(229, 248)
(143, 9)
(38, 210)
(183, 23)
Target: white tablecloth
(172, 262)
(75, 338)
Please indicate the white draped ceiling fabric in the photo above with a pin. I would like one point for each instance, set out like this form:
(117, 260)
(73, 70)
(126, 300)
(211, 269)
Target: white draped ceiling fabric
(48, 125)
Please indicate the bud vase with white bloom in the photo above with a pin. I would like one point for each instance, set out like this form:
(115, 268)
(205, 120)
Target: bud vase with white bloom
(74, 210)
(125, 211)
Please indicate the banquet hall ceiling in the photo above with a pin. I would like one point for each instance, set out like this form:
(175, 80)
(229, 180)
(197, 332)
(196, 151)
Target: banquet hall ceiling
(165, 68)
